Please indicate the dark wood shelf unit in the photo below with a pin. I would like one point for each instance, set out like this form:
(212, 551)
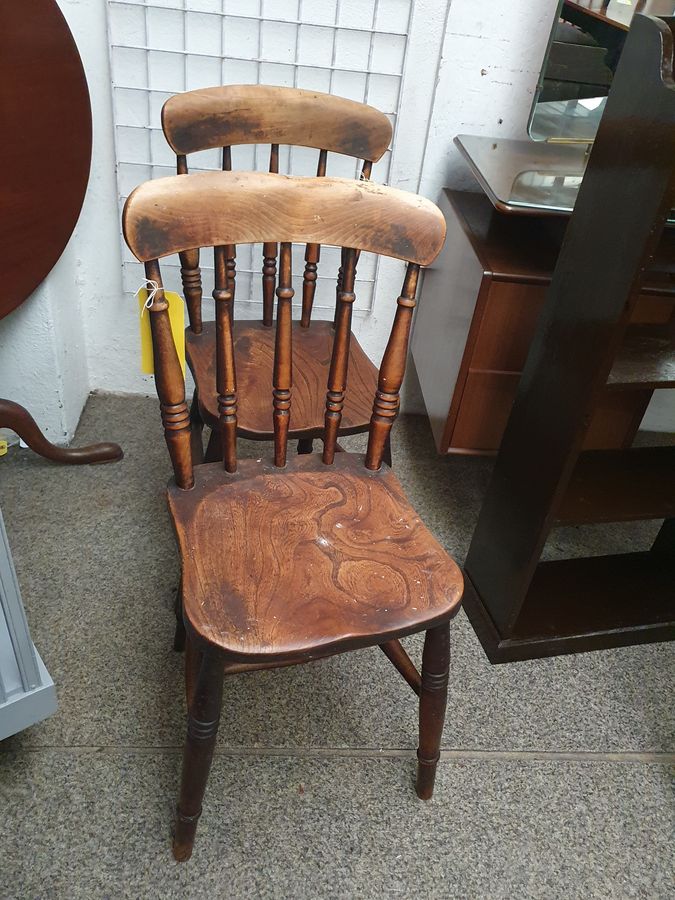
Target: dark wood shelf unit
(646, 358)
(620, 486)
(589, 347)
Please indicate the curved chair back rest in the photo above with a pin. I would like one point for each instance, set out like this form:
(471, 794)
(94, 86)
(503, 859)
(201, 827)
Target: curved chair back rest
(259, 114)
(221, 209)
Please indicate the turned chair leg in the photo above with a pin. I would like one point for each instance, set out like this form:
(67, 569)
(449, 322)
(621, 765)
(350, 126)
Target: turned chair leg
(305, 445)
(179, 634)
(433, 698)
(203, 718)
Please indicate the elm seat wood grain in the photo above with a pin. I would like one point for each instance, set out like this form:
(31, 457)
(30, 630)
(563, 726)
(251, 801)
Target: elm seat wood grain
(307, 560)
(291, 559)
(254, 351)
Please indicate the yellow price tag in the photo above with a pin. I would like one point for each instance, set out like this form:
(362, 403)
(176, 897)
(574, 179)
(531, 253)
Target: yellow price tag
(3, 448)
(177, 319)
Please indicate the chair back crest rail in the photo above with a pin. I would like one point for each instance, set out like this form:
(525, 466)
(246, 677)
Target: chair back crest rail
(221, 210)
(223, 117)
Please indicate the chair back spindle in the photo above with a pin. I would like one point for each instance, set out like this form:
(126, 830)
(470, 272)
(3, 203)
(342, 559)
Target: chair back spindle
(170, 383)
(230, 249)
(283, 356)
(190, 273)
(218, 209)
(312, 254)
(226, 379)
(337, 376)
(365, 176)
(270, 250)
(392, 370)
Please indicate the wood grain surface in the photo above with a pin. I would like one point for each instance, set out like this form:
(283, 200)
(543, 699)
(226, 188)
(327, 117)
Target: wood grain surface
(307, 559)
(45, 118)
(264, 114)
(209, 209)
(254, 357)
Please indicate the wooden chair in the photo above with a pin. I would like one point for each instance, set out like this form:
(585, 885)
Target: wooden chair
(259, 114)
(291, 559)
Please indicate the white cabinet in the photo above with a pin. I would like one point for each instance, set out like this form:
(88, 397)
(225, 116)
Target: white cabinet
(27, 692)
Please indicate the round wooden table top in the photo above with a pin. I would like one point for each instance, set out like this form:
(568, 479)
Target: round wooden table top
(45, 152)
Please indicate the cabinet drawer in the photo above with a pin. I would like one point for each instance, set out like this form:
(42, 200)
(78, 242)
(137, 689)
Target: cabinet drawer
(509, 322)
(507, 326)
(486, 407)
(484, 411)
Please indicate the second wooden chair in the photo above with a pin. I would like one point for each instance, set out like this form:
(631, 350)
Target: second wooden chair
(224, 117)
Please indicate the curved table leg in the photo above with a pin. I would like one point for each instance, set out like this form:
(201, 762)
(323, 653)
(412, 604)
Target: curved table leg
(20, 420)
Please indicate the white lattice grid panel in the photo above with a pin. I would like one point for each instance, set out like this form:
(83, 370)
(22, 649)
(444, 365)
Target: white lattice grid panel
(353, 48)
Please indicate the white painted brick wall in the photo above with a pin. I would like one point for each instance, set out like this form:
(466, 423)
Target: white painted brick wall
(489, 54)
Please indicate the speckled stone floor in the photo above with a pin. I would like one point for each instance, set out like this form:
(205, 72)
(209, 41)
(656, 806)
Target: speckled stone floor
(556, 774)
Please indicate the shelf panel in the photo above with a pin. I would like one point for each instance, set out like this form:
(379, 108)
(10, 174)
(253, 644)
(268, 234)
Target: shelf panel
(646, 359)
(598, 594)
(620, 486)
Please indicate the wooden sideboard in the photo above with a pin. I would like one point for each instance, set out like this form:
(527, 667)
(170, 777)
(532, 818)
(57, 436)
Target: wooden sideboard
(478, 314)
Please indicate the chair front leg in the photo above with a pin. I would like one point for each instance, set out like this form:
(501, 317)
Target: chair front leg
(433, 699)
(203, 718)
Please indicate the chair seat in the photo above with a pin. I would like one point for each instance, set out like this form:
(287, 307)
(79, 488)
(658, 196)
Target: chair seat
(307, 560)
(254, 356)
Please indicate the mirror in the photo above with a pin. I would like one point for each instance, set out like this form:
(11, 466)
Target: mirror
(582, 55)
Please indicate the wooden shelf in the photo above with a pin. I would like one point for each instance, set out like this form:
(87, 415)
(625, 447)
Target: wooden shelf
(595, 594)
(575, 605)
(620, 486)
(646, 359)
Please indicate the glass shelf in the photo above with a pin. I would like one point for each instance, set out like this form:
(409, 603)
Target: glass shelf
(526, 176)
